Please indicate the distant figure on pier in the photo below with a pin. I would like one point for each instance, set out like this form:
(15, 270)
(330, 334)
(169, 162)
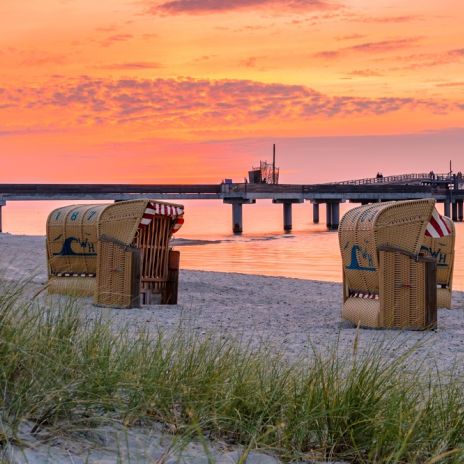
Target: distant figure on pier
(432, 175)
(379, 175)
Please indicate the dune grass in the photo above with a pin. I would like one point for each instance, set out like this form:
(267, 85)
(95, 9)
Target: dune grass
(57, 370)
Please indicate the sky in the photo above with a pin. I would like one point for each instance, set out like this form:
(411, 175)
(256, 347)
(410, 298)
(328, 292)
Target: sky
(194, 91)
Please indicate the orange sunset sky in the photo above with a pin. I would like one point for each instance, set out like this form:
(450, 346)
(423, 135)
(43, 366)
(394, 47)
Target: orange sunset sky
(157, 91)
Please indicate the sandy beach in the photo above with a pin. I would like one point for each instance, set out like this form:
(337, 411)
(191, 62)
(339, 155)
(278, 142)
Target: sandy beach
(290, 315)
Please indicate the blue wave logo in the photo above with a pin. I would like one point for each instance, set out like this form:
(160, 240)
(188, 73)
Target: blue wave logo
(357, 255)
(86, 248)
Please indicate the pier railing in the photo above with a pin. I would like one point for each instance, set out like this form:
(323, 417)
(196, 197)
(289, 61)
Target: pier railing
(398, 179)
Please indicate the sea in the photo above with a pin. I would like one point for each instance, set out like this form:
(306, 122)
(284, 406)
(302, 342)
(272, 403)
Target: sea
(308, 252)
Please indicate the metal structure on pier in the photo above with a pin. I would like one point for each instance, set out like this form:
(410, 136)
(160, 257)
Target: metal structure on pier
(265, 173)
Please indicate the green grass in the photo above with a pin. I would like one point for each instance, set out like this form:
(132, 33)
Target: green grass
(56, 370)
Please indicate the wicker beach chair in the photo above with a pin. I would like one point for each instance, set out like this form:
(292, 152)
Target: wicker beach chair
(442, 249)
(387, 282)
(118, 253)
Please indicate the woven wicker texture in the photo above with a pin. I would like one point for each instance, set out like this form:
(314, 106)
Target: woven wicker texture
(153, 243)
(121, 220)
(72, 286)
(362, 311)
(444, 298)
(443, 250)
(118, 279)
(385, 289)
(402, 292)
(363, 229)
(101, 240)
(72, 239)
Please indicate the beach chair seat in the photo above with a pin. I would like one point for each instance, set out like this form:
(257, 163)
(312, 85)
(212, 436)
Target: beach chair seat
(119, 253)
(387, 282)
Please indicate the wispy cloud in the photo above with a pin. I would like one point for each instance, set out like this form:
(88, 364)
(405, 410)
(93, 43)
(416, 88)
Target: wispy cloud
(450, 84)
(115, 38)
(23, 131)
(132, 65)
(459, 52)
(365, 73)
(382, 46)
(41, 58)
(427, 60)
(350, 37)
(389, 19)
(220, 6)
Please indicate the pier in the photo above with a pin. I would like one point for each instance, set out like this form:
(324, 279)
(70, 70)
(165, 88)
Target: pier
(447, 189)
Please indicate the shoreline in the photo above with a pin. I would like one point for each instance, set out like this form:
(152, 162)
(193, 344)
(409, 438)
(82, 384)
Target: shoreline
(13, 239)
(175, 242)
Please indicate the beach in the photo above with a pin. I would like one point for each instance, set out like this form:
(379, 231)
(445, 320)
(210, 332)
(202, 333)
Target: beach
(293, 317)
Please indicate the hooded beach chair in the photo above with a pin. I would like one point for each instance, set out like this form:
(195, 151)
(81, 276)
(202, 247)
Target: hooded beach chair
(387, 281)
(439, 243)
(118, 253)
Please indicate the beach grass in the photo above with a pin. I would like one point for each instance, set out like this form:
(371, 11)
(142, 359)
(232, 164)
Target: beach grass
(58, 371)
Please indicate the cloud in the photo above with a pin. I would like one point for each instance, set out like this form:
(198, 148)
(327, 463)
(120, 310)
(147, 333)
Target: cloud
(365, 73)
(350, 37)
(41, 58)
(221, 6)
(382, 46)
(328, 54)
(428, 60)
(450, 84)
(250, 62)
(115, 38)
(132, 65)
(457, 52)
(22, 131)
(390, 19)
(196, 103)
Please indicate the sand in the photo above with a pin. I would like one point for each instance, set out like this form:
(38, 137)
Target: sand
(291, 315)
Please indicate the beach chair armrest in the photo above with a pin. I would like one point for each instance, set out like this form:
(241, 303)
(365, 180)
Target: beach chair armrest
(415, 257)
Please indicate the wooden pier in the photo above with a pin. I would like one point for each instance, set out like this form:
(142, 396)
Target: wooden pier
(445, 188)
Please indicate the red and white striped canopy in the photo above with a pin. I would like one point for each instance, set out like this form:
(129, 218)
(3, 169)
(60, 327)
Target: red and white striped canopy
(437, 227)
(160, 209)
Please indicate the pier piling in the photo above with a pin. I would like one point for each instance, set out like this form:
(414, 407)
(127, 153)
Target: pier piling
(332, 215)
(316, 213)
(460, 210)
(287, 217)
(237, 212)
(455, 211)
(237, 218)
(447, 208)
(328, 215)
(287, 210)
(335, 215)
(2, 203)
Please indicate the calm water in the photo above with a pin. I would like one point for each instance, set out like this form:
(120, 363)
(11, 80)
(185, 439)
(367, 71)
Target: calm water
(308, 253)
